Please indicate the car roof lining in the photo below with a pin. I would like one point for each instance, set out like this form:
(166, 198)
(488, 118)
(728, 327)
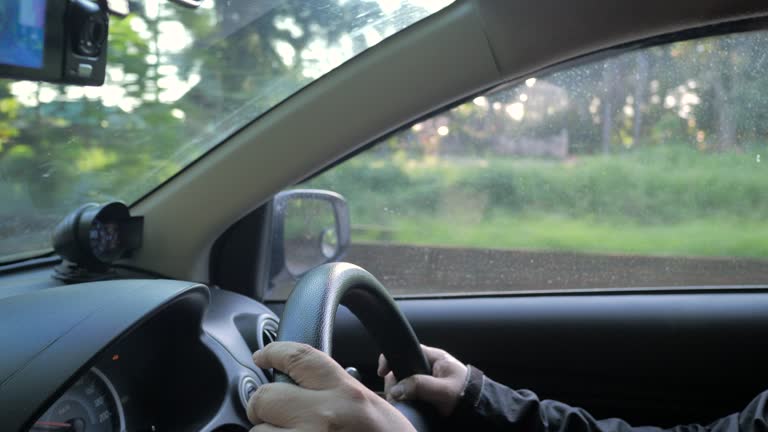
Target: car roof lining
(466, 48)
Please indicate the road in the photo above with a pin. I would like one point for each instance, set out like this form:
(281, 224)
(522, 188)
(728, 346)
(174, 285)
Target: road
(405, 269)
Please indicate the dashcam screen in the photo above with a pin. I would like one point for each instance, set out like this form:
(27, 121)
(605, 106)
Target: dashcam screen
(22, 33)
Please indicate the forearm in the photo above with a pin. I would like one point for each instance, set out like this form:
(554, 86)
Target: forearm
(495, 407)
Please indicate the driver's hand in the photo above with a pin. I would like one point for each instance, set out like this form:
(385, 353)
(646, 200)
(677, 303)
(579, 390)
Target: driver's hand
(441, 390)
(326, 397)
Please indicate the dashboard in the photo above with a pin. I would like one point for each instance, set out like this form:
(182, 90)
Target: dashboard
(149, 381)
(91, 404)
(179, 360)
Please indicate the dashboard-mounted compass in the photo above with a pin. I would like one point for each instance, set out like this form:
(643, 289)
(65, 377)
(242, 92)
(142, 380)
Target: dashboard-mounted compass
(92, 238)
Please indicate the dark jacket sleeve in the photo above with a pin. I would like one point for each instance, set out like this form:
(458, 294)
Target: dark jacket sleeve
(492, 406)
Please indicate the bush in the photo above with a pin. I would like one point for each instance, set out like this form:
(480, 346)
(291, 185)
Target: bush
(661, 184)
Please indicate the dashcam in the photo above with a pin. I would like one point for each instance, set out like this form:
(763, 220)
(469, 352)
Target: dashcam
(60, 41)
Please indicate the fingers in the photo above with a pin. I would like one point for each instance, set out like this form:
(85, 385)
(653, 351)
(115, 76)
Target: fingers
(310, 368)
(389, 382)
(383, 369)
(279, 403)
(442, 389)
(420, 387)
(432, 355)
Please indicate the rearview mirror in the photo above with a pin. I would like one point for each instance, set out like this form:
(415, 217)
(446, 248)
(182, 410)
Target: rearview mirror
(309, 228)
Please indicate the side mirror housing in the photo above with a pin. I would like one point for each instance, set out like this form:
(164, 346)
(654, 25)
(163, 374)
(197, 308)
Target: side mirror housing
(309, 228)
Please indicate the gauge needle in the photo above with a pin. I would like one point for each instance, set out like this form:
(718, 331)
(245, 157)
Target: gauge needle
(48, 425)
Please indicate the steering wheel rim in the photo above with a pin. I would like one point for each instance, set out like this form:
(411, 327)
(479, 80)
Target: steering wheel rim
(310, 313)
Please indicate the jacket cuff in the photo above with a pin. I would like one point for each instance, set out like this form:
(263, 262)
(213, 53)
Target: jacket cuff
(470, 396)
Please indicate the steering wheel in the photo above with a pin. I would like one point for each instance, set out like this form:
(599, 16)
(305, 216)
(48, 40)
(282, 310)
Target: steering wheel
(310, 313)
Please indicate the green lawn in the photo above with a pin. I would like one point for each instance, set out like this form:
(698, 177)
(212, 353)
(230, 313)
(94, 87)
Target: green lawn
(716, 238)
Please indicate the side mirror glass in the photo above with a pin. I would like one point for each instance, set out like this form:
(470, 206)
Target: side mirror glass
(309, 228)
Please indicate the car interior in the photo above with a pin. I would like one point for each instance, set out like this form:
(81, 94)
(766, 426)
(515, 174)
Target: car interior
(157, 333)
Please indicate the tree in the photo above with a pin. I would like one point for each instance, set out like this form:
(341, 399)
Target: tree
(640, 99)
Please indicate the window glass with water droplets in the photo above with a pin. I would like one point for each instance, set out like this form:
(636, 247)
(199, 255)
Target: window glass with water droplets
(645, 169)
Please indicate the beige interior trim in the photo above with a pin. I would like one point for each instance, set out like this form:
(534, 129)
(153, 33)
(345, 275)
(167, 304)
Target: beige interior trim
(470, 46)
(528, 36)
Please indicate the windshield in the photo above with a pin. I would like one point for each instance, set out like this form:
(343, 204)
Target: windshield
(178, 82)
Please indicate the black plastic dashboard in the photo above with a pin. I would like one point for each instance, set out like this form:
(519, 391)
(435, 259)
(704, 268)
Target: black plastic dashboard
(133, 355)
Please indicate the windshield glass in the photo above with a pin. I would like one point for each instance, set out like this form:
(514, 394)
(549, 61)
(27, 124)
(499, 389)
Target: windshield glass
(178, 82)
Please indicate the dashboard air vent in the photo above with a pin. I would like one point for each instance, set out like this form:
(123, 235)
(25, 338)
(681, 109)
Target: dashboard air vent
(267, 331)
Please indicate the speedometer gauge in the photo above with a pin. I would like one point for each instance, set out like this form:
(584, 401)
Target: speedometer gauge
(90, 405)
(104, 238)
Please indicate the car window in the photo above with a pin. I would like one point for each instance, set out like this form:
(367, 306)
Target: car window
(646, 169)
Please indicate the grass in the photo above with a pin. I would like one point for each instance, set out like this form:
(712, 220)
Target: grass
(663, 201)
(704, 238)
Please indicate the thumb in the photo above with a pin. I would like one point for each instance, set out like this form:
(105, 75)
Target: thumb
(419, 387)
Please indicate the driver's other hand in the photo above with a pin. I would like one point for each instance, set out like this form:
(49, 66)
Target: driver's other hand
(441, 390)
(326, 397)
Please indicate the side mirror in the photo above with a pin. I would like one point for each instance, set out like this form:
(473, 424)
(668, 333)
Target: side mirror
(309, 228)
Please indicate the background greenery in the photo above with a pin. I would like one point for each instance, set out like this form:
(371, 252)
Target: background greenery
(669, 200)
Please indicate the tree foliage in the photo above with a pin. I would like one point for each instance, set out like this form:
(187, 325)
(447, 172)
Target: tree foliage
(708, 94)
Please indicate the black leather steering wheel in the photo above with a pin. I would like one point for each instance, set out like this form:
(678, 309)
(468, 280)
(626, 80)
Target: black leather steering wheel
(311, 310)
